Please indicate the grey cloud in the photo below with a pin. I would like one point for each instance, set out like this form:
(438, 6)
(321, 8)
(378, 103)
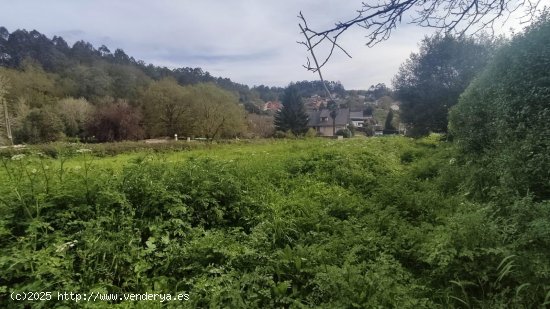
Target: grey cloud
(212, 57)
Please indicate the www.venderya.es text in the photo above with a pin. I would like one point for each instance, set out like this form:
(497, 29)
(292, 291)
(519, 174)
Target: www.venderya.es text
(96, 296)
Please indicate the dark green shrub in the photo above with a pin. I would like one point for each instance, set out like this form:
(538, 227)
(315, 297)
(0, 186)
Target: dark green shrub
(40, 125)
(279, 134)
(344, 132)
(304, 223)
(407, 157)
(501, 120)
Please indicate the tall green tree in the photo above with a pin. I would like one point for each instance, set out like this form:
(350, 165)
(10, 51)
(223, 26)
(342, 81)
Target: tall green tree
(389, 118)
(501, 122)
(214, 112)
(75, 114)
(115, 122)
(41, 125)
(292, 117)
(377, 91)
(166, 107)
(430, 82)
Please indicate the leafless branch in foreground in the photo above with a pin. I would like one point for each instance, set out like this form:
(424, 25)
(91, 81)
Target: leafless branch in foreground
(458, 17)
(316, 68)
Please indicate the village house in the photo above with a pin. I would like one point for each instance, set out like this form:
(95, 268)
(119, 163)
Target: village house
(358, 119)
(321, 121)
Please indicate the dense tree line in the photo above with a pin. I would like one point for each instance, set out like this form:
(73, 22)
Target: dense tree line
(57, 91)
(305, 89)
(266, 93)
(43, 107)
(112, 73)
(430, 82)
(310, 88)
(54, 91)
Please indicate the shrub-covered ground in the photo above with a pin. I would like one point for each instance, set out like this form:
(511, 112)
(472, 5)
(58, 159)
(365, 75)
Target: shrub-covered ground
(359, 223)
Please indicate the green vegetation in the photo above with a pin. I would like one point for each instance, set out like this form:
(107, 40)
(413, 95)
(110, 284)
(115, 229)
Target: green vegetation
(292, 117)
(502, 119)
(54, 92)
(388, 125)
(289, 223)
(430, 82)
(456, 221)
(41, 110)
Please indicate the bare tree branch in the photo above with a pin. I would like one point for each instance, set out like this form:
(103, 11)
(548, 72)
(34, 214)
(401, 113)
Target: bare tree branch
(380, 17)
(310, 46)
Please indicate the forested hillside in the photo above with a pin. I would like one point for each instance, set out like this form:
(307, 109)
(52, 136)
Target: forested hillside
(105, 73)
(54, 91)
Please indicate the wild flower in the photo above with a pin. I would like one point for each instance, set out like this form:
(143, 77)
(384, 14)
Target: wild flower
(83, 150)
(18, 157)
(66, 245)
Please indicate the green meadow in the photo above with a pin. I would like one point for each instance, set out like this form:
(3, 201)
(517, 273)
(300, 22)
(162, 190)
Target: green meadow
(356, 223)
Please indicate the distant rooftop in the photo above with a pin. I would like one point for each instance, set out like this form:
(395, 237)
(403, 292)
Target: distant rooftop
(322, 118)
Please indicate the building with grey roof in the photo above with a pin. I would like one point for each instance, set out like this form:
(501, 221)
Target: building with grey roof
(321, 121)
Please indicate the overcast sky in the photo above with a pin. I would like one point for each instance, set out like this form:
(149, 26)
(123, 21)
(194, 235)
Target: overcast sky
(250, 41)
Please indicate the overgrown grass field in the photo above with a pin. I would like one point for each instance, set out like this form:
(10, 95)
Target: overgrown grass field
(359, 223)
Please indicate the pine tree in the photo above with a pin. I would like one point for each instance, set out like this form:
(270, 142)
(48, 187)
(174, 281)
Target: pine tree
(292, 116)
